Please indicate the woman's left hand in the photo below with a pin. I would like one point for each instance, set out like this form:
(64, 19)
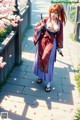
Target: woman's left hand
(60, 51)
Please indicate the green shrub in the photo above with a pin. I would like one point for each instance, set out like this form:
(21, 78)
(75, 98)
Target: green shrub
(72, 37)
(79, 67)
(71, 14)
(5, 32)
(77, 77)
(77, 116)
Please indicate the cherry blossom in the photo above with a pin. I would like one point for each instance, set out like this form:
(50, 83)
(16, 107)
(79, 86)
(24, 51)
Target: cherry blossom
(6, 14)
(2, 64)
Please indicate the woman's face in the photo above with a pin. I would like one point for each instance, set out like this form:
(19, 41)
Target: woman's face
(54, 15)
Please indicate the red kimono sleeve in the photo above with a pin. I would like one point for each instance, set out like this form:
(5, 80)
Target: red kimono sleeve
(36, 30)
(35, 33)
(59, 36)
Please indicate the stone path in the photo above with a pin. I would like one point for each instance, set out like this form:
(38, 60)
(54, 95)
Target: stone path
(24, 99)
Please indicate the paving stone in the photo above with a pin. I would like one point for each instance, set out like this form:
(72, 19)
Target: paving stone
(27, 62)
(20, 68)
(15, 110)
(44, 113)
(56, 80)
(21, 81)
(30, 100)
(12, 88)
(30, 76)
(17, 74)
(29, 68)
(68, 88)
(23, 110)
(66, 81)
(57, 87)
(65, 98)
(12, 96)
(40, 92)
(25, 56)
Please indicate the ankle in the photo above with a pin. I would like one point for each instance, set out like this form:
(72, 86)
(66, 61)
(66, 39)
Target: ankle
(48, 84)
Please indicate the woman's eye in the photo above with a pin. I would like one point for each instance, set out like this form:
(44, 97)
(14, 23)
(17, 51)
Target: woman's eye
(56, 13)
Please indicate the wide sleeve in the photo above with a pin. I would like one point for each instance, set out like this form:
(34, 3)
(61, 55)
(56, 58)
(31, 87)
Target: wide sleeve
(59, 36)
(37, 31)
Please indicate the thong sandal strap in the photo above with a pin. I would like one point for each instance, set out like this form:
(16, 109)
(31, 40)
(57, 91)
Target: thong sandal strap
(39, 80)
(48, 89)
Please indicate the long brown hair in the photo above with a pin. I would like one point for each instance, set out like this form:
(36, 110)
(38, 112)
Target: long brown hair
(61, 12)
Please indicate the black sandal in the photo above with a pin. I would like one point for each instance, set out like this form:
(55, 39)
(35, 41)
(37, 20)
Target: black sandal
(48, 89)
(39, 81)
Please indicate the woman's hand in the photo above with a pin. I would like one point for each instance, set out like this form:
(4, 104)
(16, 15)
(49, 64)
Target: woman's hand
(41, 25)
(60, 51)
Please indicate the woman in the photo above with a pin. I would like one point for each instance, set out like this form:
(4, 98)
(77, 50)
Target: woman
(48, 35)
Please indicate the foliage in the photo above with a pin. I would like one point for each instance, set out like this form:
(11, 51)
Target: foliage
(77, 77)
(79, 67)
(5, 32)
(77, 116)
(72, 13)
(7, 18)
(72, 37)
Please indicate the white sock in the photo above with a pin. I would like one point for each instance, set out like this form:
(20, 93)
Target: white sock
(48, 84)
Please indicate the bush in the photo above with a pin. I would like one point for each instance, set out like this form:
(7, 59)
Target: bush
(77, 77)
(71, 14)
(5, 32)
(79, 67)
(78, 80)
(77, 116)
(72, 37)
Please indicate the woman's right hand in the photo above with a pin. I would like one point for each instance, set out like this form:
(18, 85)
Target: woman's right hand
(41, 25)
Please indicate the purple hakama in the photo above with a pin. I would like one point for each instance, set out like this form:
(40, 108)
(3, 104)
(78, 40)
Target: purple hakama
(47, 77)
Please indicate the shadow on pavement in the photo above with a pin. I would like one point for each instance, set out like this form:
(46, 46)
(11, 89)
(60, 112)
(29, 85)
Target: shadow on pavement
(21, 91)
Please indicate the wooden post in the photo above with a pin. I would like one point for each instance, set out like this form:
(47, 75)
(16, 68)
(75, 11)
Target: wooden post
(16, 10)
(29, 13)
(78, 31)
(18, 47)
(77, 23)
